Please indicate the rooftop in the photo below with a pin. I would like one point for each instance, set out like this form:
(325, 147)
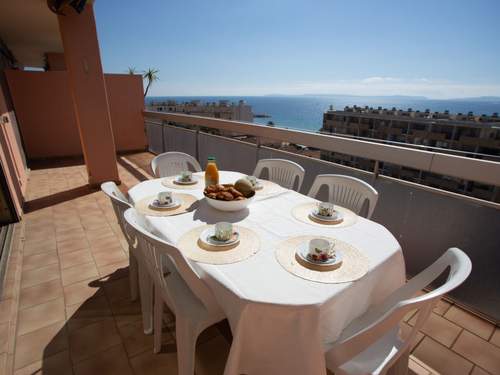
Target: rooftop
(66, 303)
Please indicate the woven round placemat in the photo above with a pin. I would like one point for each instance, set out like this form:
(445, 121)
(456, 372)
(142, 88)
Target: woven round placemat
(302, 213)
(189, 203)
(194, 249)
(354, 264)
(170, 183)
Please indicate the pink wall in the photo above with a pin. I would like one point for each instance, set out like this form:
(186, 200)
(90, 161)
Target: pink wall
(47, 119)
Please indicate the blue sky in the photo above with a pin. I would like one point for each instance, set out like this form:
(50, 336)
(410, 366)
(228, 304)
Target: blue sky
(440, 48)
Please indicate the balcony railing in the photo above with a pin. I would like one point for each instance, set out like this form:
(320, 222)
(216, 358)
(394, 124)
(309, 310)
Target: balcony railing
(425, 220)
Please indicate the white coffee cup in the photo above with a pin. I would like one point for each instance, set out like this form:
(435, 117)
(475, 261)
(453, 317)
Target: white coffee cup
(321, 249)
(326, 209)
(186, 176)
(223, 231)
(164, 197)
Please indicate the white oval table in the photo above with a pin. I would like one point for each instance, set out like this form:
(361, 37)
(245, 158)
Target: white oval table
(280, 321)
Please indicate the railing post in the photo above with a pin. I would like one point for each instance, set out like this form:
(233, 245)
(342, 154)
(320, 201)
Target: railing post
(257, 149)
(163, 136)
(375, 170)
(197, 142)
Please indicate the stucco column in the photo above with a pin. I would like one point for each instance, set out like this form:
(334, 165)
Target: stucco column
(88, 90)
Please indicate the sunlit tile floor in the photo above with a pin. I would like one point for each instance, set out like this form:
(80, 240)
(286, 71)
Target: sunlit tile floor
(65, 307)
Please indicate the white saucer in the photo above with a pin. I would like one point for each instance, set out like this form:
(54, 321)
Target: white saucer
(336, 217)
(303, 252)
(176, 202)
(208, 238)
(178, 181)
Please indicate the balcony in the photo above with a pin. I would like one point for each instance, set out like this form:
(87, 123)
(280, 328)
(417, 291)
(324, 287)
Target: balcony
(69, 302)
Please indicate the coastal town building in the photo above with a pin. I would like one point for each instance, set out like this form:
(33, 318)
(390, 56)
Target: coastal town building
(460, 134)
(223, 109)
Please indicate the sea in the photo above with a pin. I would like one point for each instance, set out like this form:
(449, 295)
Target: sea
(305, 112)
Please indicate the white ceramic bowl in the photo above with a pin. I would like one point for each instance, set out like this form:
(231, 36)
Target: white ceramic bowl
(229, 205)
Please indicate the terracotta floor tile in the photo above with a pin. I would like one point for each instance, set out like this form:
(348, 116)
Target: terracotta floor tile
(78, 273)
(149, 363)
(479, 351)
(134, 339)
(39, 246)
(125, 311)
(442, 307)
(75, 258)
(4, 335)
(92, 339)
(105, 243)
(40, 344)
(110, 362)
(441, 358)
(90, 311)
(72, 245)
(40, 293)
(470, 322)
(39, 260)
(495, 339)
(72, 234)
(57, 364)
(110, 256)
(39, 316)
(81, 291)
(115, 270)
(6, 307)
(40, 275)
(440, 329)
(96, 234)
(117, 289)
(479, 371)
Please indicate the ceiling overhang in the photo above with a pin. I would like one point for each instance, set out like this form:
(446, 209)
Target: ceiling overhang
(29, 29)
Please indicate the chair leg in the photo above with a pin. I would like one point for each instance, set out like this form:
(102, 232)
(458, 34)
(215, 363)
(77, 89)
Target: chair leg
(147, 290)
(400, 367)
(158, 321)
(133, 274)
(186, 336)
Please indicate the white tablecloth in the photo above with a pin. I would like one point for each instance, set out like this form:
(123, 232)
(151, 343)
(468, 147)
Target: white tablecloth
(280, 321)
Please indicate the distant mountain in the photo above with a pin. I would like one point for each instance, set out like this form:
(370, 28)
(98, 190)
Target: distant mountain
(382, 97)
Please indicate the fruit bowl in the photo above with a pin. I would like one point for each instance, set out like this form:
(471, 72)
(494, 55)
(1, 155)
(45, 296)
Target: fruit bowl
(229, 205)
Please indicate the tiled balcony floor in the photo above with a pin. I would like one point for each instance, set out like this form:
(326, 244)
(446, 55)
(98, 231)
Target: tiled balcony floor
(66, 308)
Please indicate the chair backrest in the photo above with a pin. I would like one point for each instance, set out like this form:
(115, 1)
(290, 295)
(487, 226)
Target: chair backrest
(381, 319)
(172, 163)
(119, 201)
(346, 191)
(283, 172)
(158, 255)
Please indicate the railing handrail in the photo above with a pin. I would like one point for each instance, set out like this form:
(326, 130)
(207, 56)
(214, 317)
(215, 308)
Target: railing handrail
(484, 171)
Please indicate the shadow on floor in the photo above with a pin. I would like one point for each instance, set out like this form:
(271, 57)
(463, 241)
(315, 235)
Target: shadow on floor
(57, 198)
(105, 333)
(50, 163)
(132, 170)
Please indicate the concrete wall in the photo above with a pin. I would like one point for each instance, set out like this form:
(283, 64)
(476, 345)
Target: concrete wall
(47, 119)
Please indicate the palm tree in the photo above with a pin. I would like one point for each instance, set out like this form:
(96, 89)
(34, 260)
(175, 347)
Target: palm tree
(150, 75)
(132, 70)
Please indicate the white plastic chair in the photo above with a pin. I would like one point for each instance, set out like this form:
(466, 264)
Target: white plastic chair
(281, 171)
(172, 163)
(139, 279)
(346, 191)
(181, 289)
(371, 343)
